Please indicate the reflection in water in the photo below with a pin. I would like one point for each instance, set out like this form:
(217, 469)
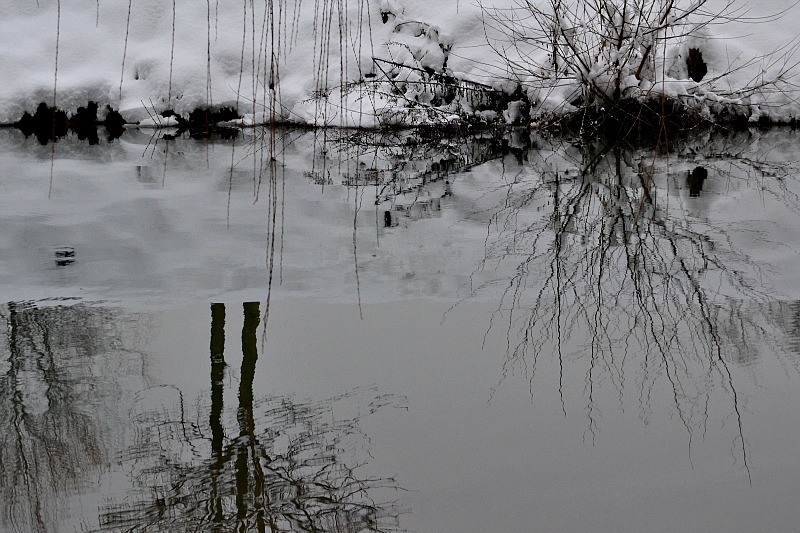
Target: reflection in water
(625, 286)
(613, 264)
(695, 181)
(410, 170)
(602, 261)
(57, 387)
(216, 512)
(290, 466)
(603, 256)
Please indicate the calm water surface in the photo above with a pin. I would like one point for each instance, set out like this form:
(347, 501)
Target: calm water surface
(337, 332)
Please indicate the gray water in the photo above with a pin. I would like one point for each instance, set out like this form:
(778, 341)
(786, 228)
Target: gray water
(298, 331)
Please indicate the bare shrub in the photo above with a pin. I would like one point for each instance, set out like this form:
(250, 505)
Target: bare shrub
(595, 54)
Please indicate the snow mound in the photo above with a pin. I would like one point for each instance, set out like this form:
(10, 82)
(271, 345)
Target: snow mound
(360, 63)
(289, 60)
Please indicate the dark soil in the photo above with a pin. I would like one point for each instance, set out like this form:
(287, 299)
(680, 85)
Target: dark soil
(51, 123)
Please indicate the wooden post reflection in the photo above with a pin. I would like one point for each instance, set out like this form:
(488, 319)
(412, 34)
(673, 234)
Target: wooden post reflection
(247, 453)
(217, 348)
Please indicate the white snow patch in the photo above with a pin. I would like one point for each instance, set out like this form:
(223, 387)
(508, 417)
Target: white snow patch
(223, 52)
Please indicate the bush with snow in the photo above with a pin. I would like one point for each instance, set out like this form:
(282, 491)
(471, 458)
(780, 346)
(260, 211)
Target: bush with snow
(596, 54)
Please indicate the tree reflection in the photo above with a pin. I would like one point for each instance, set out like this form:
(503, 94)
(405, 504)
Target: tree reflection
(300, 472)
(54, 411)
(612, 272)
(410, 170)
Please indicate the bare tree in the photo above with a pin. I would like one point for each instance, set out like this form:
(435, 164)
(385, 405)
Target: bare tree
(606, 55)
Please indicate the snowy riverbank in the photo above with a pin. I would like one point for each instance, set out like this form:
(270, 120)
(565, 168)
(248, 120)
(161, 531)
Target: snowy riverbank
(370, 63)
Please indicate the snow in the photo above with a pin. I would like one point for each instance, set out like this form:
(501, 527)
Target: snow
(314, 62)
(157, 121)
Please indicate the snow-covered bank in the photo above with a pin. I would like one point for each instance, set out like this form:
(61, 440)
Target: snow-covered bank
(364, 62)
(253, 55)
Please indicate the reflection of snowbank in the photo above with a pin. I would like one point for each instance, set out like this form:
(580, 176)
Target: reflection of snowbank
(381, 219)
(155, 219)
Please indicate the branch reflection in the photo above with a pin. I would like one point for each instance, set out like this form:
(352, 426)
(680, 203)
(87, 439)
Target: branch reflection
(614, 268)
(61, 370)
(288, 466)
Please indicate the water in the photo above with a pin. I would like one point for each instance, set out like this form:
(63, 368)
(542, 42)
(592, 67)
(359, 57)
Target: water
(348, 332)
